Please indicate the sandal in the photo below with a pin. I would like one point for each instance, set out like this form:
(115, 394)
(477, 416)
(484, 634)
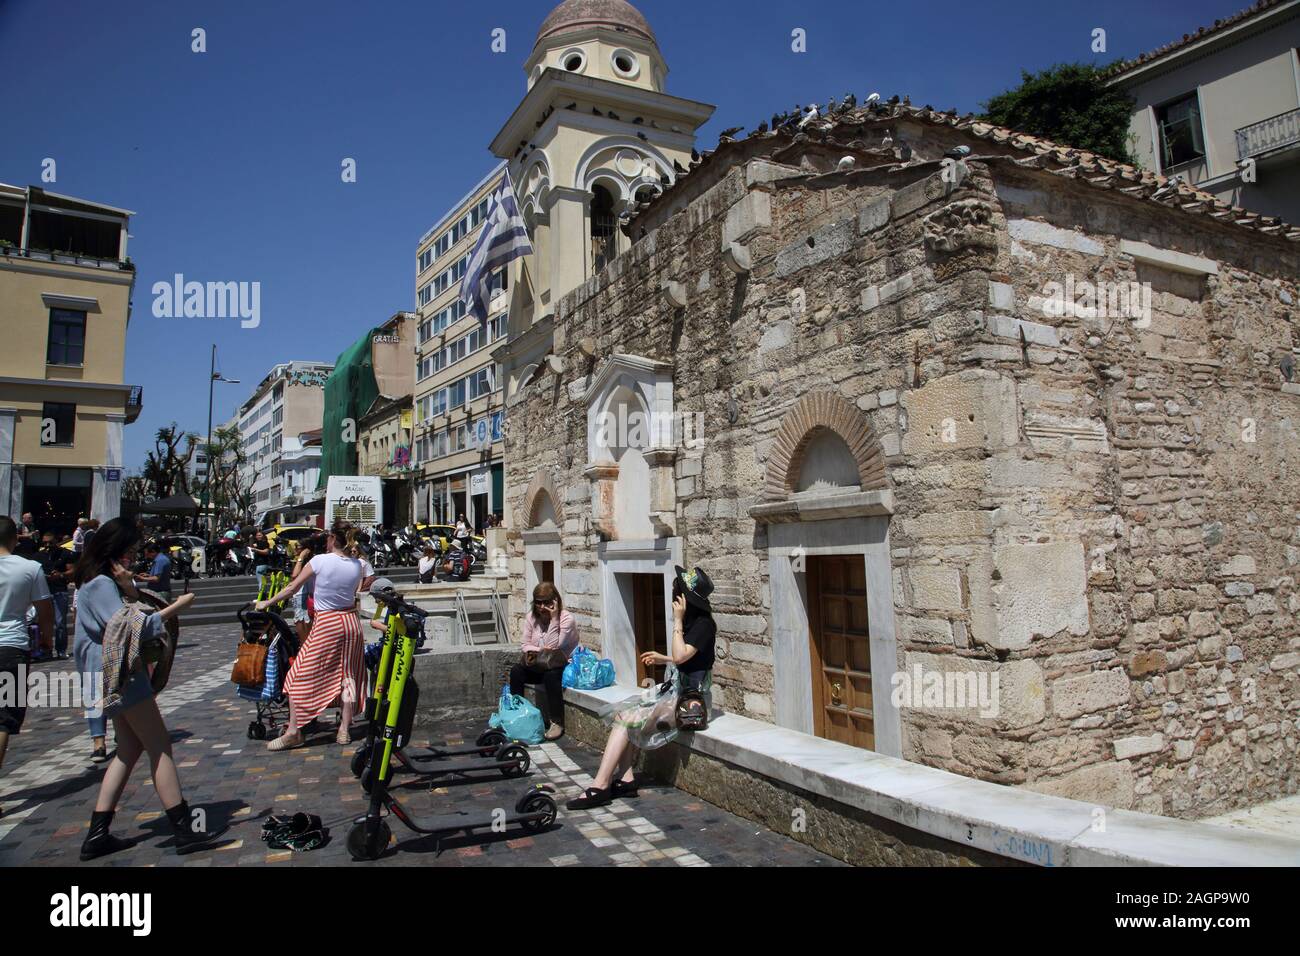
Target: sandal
(622, 789)
(344, 736)
(591, 797)
(553, 732)
(286, 742)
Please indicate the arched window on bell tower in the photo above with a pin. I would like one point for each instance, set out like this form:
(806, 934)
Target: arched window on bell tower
(604, 225)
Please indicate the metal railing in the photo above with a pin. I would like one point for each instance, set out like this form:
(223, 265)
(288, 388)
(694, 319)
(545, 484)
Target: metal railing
(1276, 132)
(499, 618)
(134, 403)
(69, 258)
(464, 634)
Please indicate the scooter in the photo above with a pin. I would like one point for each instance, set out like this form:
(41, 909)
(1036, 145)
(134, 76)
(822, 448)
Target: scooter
(392, 714)
(383, 554)
(494, 750)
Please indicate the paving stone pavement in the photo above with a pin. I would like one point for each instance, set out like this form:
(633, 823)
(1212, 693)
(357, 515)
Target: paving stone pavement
(48, 787)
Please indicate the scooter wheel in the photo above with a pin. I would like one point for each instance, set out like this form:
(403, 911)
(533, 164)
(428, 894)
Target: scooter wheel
(367, 779)
(362, 849)
(359, 760)
(519, 755)
(256, 731)
(491, 738)
(544, 804)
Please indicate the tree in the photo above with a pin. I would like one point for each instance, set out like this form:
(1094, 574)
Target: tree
(228, 493)
(167, 468)
(1069, 104)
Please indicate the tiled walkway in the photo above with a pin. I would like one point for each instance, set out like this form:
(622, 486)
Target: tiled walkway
(48, 787)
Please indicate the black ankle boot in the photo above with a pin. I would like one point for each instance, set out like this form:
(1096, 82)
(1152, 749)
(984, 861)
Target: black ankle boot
(187, 839)
(99, 842)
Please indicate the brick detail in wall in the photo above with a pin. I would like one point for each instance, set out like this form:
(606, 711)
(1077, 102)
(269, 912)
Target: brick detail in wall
(528, 514)
(816, 411)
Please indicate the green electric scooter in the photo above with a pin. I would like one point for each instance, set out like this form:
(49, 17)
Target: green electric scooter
(392, 713)
(493, 750)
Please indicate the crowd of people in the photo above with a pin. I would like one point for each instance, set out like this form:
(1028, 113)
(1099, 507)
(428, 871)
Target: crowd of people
(86, 583)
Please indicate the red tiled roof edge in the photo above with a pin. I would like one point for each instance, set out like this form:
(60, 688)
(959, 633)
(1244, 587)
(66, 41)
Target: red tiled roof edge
(1081, 165)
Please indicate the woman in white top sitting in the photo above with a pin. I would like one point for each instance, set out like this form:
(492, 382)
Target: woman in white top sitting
(330, 669)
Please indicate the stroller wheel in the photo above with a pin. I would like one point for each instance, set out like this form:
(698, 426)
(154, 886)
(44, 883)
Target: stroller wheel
(359, 760)
(368, 849)
(257, 730)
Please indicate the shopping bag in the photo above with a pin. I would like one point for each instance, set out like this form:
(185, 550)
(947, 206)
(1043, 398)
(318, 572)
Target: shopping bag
(586, 671)
(517, 719)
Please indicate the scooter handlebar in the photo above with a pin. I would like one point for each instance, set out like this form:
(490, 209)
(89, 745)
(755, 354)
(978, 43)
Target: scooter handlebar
(399, 604)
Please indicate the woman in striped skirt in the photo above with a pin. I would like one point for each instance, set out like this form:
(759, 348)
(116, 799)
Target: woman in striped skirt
(330, 667)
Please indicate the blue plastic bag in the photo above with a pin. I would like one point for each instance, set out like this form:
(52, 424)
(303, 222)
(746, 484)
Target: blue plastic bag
(586, 671)
(517, 719)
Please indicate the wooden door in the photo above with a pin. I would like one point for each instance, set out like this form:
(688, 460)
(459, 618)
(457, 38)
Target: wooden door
(841, 650)
(649, 623)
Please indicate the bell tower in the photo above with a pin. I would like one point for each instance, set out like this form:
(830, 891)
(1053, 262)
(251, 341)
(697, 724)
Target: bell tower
(594, 133)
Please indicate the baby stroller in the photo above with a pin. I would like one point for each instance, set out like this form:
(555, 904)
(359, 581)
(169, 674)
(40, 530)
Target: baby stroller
(268, 629)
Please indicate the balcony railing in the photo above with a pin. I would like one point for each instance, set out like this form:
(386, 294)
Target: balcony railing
(1267, 136)
(68, 258)
(134, 403)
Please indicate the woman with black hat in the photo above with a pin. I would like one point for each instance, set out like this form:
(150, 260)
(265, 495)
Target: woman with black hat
(691, 653)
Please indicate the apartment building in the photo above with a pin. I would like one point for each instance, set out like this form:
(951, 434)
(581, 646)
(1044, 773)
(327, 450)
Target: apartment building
(1221, 108)
(288, 403)
(65, 302)
(385, 430)
(458, 453)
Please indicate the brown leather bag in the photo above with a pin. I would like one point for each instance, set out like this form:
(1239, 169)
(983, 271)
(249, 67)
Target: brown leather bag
(546, 660)
(250, 665)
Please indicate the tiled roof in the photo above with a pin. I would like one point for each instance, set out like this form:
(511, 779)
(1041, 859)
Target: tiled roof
(1217, 26)
(1081, 165)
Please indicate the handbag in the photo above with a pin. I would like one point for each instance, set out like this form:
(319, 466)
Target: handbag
(692, 711)
(250, 664)
(545, 660)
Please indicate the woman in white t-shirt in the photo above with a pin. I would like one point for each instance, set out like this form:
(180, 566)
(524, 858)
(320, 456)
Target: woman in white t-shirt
(329, 670)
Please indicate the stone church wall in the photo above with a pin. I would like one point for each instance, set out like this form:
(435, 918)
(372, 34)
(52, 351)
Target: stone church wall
(1102, 511)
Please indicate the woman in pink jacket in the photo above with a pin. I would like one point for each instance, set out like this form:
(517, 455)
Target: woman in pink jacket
(549, 640)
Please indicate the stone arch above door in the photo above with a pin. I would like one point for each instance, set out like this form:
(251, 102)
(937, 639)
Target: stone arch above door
(813, 413)
(539, 492)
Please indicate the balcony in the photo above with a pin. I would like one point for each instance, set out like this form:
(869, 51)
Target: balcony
(9, 250)
(1269, 136)
(134, 403)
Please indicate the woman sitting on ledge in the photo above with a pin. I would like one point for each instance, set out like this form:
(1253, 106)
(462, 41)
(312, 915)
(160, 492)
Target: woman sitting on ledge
(549, 640)
(636, 728)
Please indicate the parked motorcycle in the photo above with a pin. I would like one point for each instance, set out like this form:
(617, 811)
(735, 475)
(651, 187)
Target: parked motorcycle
(407, 547)
(383, 553)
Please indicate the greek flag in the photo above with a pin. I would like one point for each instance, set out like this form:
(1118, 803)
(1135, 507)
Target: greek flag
(504, 239)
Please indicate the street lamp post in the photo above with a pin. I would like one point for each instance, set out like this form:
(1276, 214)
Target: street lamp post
(213, 378)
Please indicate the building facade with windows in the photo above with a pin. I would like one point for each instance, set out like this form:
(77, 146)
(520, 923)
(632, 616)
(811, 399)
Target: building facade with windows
(385, 430)
(288, 402)
(1220, 108)
(458, 441)
(65, 303)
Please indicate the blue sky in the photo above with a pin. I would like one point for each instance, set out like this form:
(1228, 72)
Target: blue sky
(231, 158)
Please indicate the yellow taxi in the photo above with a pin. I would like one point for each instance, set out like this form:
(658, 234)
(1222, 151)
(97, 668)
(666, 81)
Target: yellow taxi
(292, 532)
(442, 534)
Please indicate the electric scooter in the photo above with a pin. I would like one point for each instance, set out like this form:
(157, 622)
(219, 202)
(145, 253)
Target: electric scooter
(392, 713)
(493, 750)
